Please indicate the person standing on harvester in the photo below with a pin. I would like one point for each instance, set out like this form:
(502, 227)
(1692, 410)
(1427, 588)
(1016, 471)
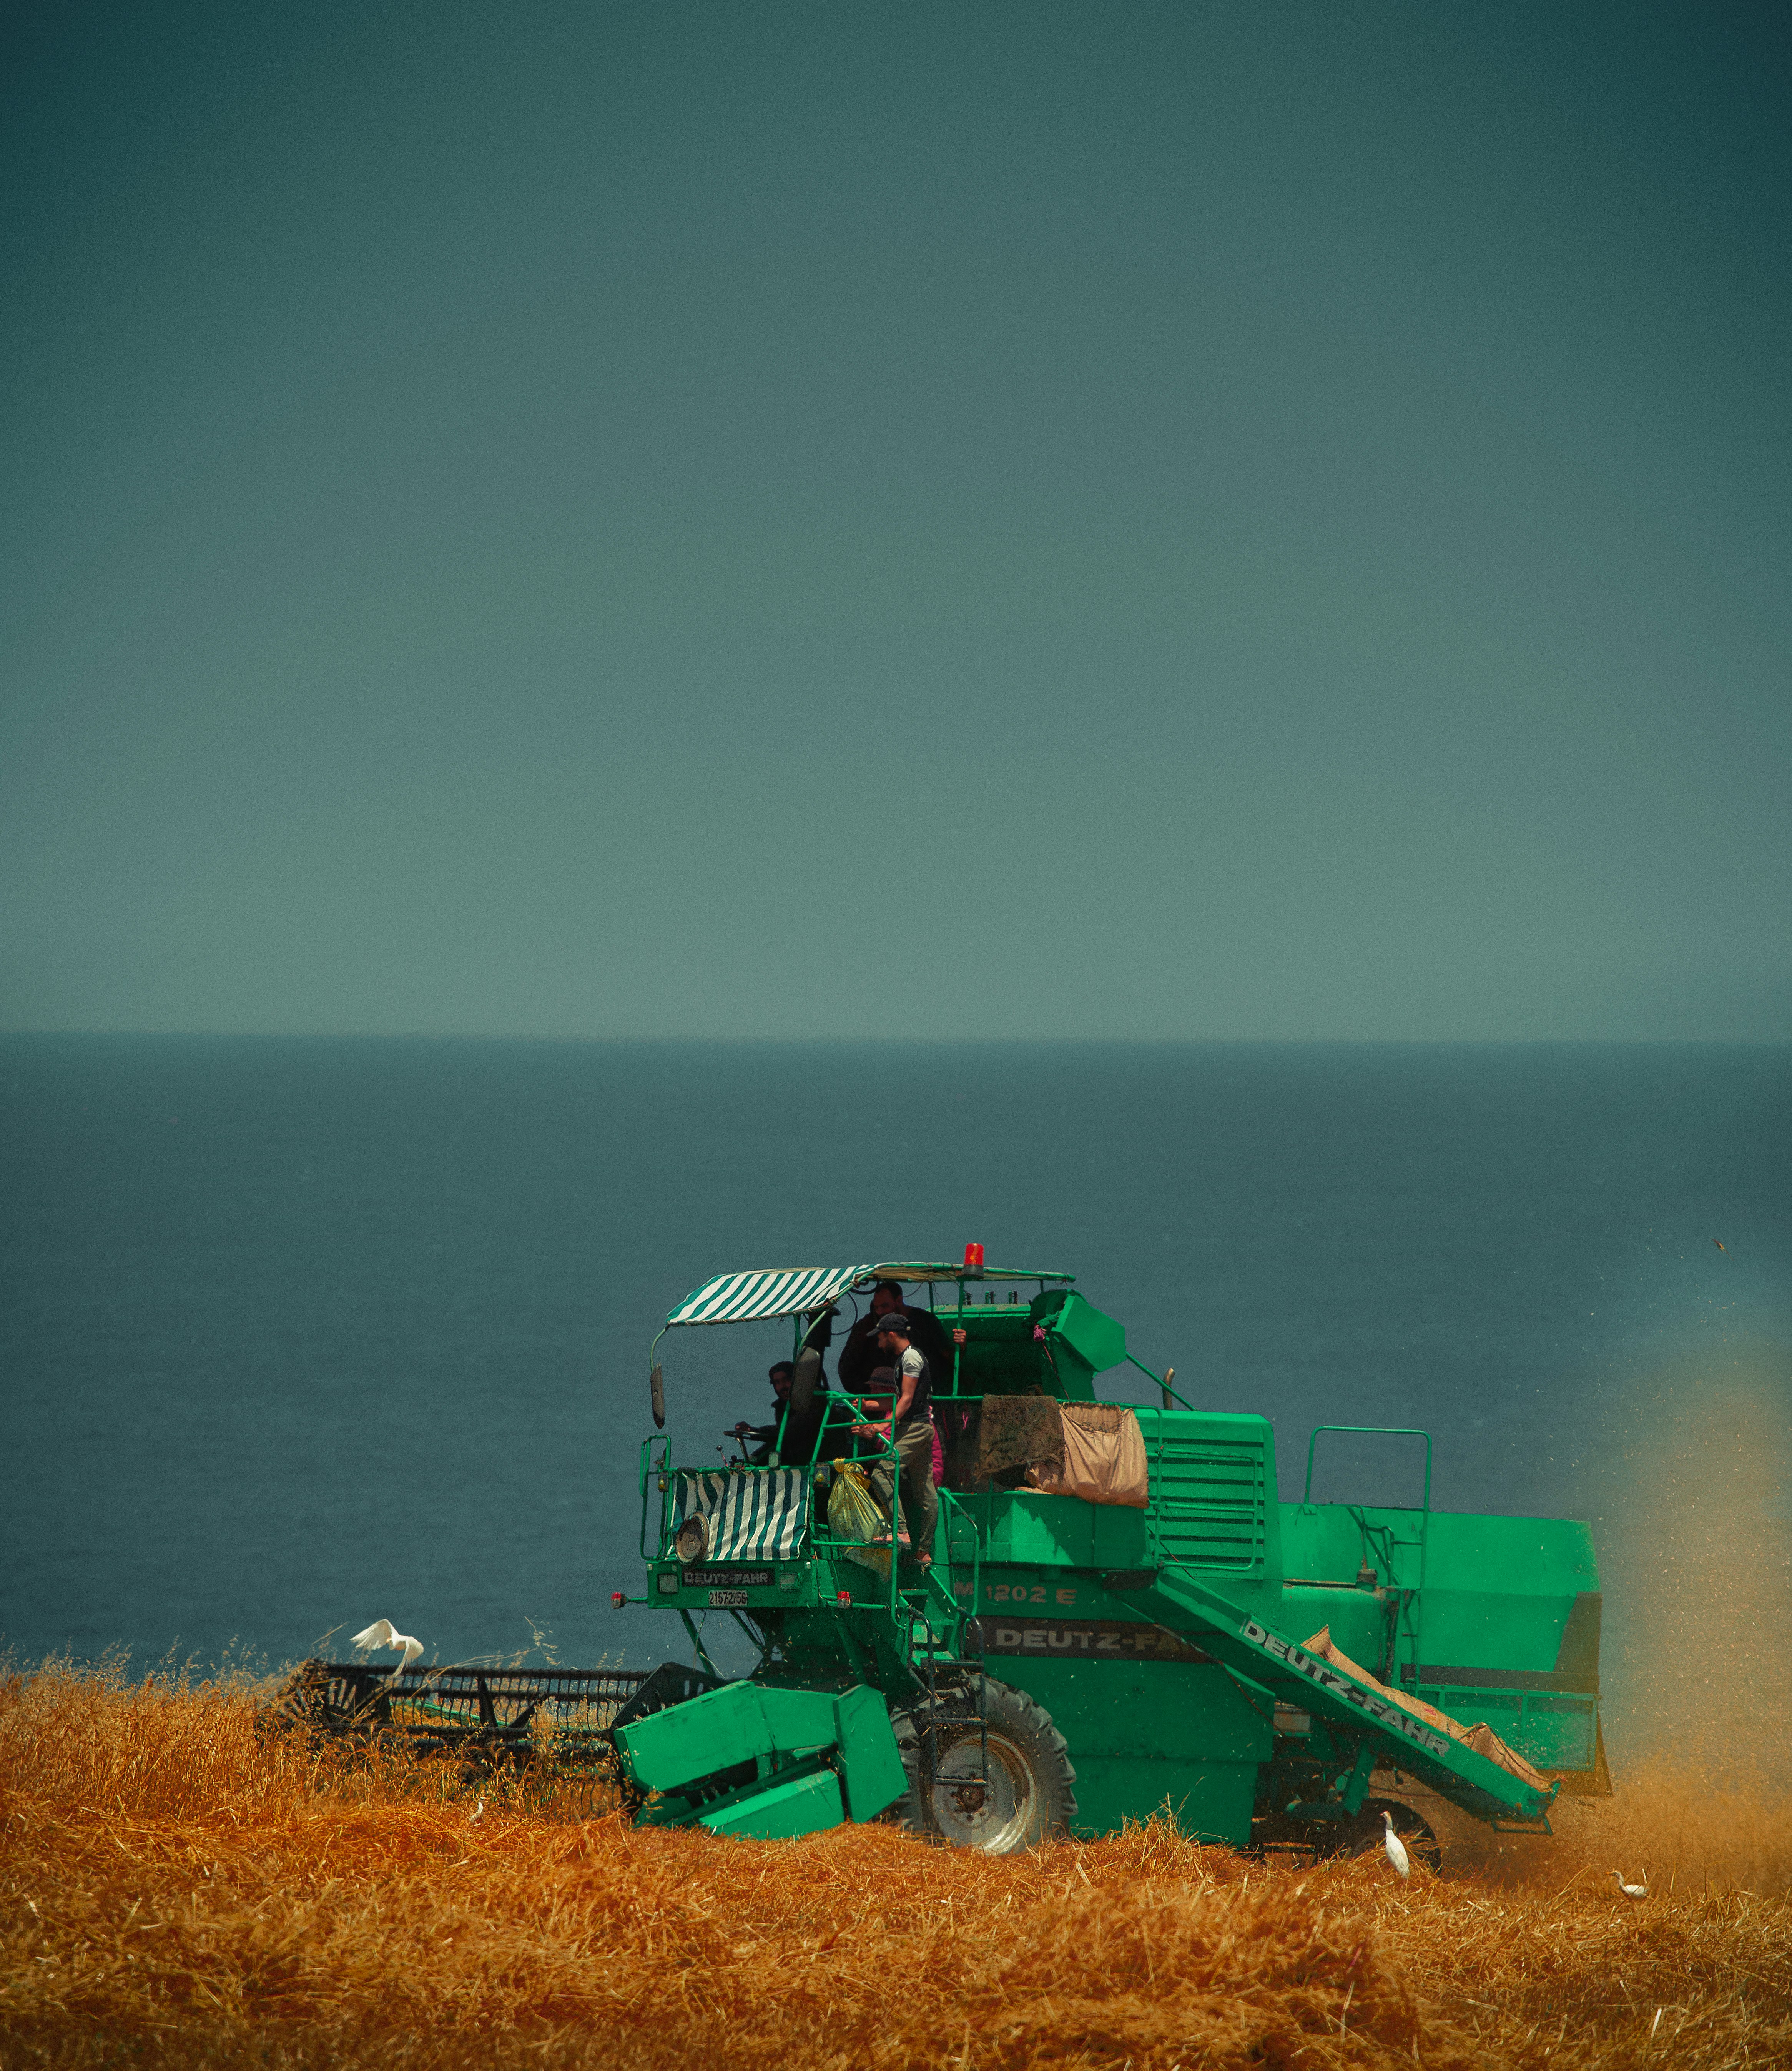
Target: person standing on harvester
(912, 1430)
(859, 1357)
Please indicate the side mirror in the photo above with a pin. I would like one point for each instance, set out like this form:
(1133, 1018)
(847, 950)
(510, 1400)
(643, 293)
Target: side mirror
(802, 1382)
(657, 1389)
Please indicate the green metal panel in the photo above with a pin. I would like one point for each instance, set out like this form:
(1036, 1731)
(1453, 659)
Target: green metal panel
(1356, 1617)
(771, 1726)
(1097, 1340)
(1210, 1801)
(1144, 1733)
(1027, 1527)
(1213, 1491)
(1485, 1628)
(1000, 1355)
(721, 1729)
(1329, 1541)
(804, 1805)
(1536, 1557)
(1506, 1626)
(870, 1763)
(1184, 1712)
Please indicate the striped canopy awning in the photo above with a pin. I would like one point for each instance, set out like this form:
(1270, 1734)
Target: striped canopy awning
(742, 1298)
(739, 1297)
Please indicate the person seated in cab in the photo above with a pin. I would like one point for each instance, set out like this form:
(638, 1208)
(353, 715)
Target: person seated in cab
(860, 1353)
(780, 1376)
(911, 1429)
(823, 1432)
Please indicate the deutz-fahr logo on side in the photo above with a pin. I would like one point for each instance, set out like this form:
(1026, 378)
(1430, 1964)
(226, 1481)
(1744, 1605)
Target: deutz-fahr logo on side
(1341, 1686)
(1079, 1636)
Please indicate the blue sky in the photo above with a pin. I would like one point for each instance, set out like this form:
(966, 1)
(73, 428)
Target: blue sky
(1178, 521)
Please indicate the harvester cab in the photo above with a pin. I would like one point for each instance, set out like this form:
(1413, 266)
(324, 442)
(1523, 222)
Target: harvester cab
(1121, 1618)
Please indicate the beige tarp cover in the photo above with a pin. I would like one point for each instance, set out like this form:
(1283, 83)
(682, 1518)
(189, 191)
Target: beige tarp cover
(1104, 1456)
(1482, 1738)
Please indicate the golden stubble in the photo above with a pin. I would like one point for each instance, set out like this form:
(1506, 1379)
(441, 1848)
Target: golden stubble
(174, 1891)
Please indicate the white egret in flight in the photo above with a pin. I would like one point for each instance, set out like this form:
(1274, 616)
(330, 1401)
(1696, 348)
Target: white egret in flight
(383, 1633)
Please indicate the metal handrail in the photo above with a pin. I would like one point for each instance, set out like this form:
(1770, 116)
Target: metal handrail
(648, 1466)
(951, 1509)
(1162, 1383)
(1391, 1431)
(1373, 1431)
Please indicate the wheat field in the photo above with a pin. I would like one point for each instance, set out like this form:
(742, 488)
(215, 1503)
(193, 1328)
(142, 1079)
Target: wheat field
(173, 1890)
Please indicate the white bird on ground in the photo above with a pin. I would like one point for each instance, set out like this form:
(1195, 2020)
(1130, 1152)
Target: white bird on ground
(477, 1814)
(383, 1633)
(1396, 1846)
(1632, 1890)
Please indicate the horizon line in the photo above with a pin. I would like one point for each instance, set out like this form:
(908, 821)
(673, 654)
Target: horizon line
(893, 1041)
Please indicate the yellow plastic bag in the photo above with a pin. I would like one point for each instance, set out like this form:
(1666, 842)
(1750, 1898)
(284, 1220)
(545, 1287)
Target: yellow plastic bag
(852, 1513)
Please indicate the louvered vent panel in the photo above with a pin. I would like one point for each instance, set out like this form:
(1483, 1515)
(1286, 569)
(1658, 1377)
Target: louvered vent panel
(1209, 1501)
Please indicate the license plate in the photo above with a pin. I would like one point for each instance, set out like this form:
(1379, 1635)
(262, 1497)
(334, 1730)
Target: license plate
(727, 1599)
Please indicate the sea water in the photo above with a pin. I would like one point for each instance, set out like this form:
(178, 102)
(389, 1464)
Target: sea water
(300, 1334)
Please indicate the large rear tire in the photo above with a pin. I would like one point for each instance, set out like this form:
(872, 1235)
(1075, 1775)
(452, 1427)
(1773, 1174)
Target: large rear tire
(1023, 1795)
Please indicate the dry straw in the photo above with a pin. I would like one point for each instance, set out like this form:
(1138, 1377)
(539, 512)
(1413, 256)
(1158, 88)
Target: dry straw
(172, 1891)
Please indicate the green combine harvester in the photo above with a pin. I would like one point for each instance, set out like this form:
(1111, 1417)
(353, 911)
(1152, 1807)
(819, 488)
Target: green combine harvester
(1121, 1618)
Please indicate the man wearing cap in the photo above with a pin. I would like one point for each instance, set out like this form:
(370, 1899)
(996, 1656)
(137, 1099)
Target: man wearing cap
(912, 1428)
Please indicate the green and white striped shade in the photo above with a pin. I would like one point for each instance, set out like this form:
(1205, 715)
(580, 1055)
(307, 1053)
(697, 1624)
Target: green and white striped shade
(742, 1298)
(739, 1298)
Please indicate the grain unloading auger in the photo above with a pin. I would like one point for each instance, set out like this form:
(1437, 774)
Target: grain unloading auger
(1090, 1646)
